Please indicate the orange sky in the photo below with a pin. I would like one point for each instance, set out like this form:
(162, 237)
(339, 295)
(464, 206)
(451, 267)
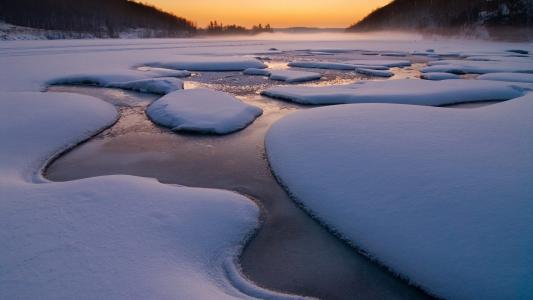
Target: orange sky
(279, 13)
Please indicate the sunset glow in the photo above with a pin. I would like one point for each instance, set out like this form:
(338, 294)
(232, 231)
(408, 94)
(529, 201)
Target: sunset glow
(278, 13)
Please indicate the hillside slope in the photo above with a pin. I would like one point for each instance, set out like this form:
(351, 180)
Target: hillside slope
(99, 18)
(497, 18)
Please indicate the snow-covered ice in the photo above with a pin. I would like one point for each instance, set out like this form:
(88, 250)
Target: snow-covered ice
(289, 76)
(322, 65)
(209, 63)
(128, 80)
(259, 72)
(203, 111)
(163, 72)
(376, 73)
(478, 67)
(380, 62)
(119, 237)
(512, 77)
(160, 85)
(405, 91)
(439, 76)
(441, 196)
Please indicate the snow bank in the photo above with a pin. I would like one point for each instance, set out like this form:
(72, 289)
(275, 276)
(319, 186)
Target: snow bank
(254, 71)
(440, 196)
(289, 76)
(478, 67)
(439, 76)
(161, 85)
(209, 63)
(375, 73)
(113, 237)
(321, 65)
(203, 111)
(128, 80)
(406, 91)
(512, 77)
(395, 54)
(162, 72)
(380, 62)
(102, 79)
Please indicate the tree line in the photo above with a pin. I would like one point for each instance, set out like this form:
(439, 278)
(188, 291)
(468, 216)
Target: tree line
(101, 18)
(216, 28)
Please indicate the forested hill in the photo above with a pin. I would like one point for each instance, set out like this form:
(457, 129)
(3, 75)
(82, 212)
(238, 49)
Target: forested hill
(100, 18)
(496, 17)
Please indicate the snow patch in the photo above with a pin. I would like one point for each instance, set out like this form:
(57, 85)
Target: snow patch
(478, 67)
(405, 91)
(162, 85)
(440, 196)
(202, 111)
(209, 63)
(439, 76)
(375, 73)
(512, 77)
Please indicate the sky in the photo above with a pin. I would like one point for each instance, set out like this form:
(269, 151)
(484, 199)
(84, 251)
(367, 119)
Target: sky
(279, 13)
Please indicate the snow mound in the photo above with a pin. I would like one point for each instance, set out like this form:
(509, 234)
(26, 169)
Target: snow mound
(101, 80)
(380, 62)
(375, 73)
(439, 76)
(406, 91)
(113, 237)
(440, 196)
(162, 72)
(289, 76)
(395, 54)
(512, 77)
(161, 85)
(478, 67)
(254, 71)
(202, 111)
(321, 65)
(209, 63)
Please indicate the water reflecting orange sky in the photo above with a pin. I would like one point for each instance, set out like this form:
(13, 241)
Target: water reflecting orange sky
(279, 13)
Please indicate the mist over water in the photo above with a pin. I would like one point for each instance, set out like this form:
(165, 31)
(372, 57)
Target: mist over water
(325, 35)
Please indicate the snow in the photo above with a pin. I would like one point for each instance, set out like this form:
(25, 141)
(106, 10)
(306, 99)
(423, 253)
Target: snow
(512, 77)
(125, 237)
(289, 76)
(395, 54)
(209, 63)
(439, 76)
(162, 72)
(334, 65)
(128, 80)
(254, 71)
(380, 62)
(102, 79)
(202, 111)
(405, 91)
(441, 196)
(478, 67)
(321, 65)
(119, 237)
(372, 72)
(161, 85)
